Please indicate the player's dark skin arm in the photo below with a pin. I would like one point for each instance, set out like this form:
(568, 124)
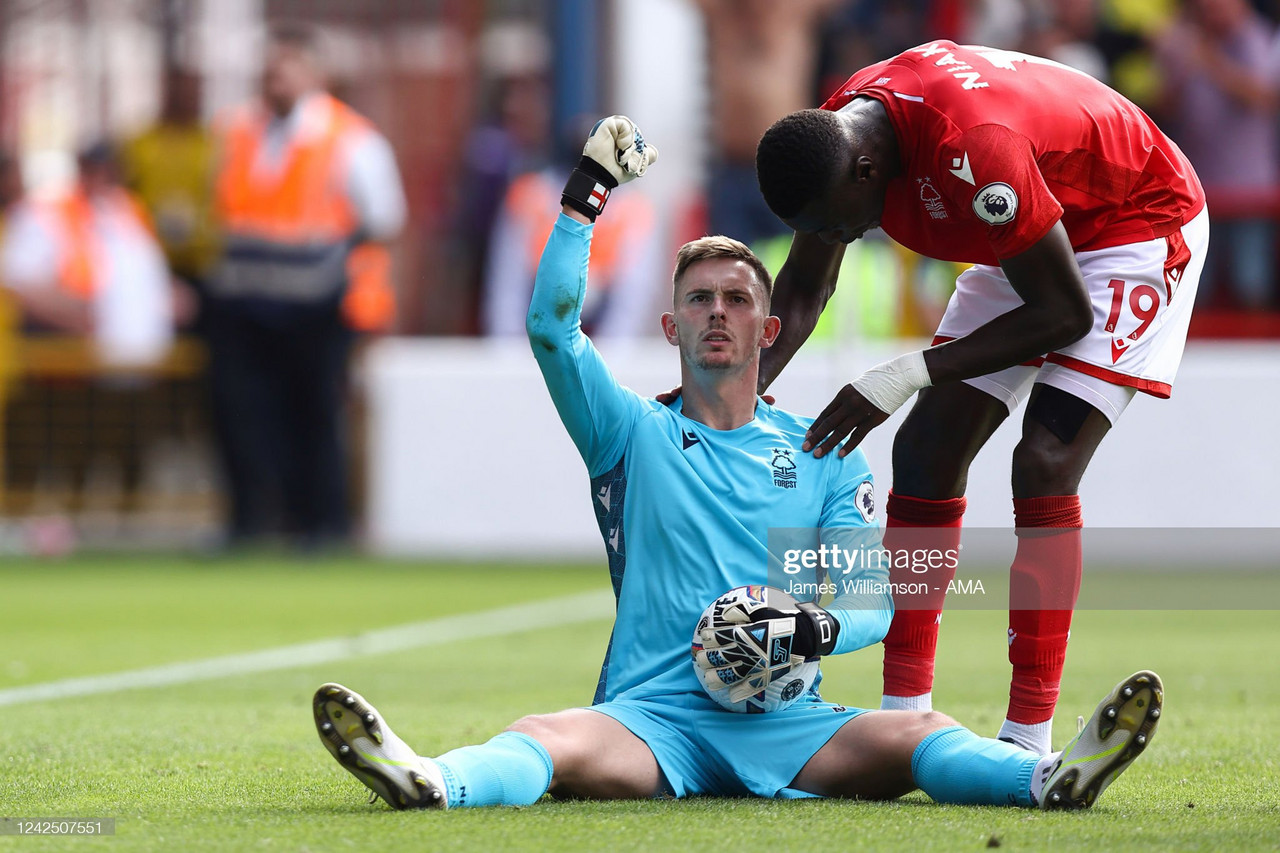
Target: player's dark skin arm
(1055, 313)
(800, 292)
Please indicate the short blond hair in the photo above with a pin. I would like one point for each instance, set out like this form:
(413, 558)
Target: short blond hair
(719, 246)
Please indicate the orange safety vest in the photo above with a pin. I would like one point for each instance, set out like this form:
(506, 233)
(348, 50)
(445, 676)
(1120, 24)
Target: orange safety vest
(532, 195)
(80, 265)
(287, 233)
(74, 218)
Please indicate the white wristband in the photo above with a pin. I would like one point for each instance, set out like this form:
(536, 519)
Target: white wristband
(890, 384)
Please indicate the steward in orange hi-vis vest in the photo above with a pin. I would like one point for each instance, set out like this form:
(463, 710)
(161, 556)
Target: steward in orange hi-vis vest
(291, 230)
(307, 195)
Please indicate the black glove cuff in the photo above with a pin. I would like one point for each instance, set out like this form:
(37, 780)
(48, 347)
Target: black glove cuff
(588, 188)
(597, 171)
(817, 632)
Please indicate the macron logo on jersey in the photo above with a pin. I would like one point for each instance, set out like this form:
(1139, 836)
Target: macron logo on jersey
(960, 168)
(690, 438)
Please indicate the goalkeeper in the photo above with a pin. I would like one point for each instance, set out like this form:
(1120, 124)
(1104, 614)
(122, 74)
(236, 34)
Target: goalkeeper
(686, 496)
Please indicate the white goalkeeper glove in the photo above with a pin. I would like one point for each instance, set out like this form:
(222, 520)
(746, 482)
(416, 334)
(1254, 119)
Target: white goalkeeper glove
(744, 656)
(614, 154)
(737, 656)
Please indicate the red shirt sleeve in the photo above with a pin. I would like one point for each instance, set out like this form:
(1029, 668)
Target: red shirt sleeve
(1007, 195)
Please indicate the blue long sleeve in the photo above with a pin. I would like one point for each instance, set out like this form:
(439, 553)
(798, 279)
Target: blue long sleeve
(862, 623)
(595, 409)
(863, 605)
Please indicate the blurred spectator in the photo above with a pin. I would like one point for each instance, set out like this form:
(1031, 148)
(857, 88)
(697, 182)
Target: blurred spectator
(1066, 31)
(10, 195)
(10, 183)
(88, 263)
(170, 167)
(995, 23)
(763, 61)
(515, 141)
(1124, 33)
(308, 193)
(862, 32)
(625, 277)
(1222, 91)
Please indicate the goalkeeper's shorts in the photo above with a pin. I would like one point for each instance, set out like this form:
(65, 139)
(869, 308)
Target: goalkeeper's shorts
(707, 750)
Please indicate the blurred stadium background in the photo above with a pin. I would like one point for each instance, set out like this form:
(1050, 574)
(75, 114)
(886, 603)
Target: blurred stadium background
(456, 452)
(171, 691)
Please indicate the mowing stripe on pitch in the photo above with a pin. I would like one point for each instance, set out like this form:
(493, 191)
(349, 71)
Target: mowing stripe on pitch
(567, 610)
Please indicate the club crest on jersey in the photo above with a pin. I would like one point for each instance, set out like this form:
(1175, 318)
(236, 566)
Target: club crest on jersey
(784, 467)
(996, 204)
(931, 199)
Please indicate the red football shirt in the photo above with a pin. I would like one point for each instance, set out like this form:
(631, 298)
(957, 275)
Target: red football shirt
(996, 146)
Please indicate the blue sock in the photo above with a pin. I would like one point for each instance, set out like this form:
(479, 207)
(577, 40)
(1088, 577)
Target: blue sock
(512, 769)
(954, 765)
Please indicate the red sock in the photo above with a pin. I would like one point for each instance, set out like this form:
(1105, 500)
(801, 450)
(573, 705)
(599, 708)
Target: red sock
(909, 647)
(1044, 583)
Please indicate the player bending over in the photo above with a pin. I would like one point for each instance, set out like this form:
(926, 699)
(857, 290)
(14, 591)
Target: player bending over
(685, 496)
(1087, 230)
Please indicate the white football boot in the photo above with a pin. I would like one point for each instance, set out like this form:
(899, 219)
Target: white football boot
(354, 733)
(1116, 734)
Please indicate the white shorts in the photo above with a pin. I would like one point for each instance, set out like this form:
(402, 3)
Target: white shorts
(1142, 297)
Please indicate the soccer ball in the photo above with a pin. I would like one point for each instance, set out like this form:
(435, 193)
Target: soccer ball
(750, 670)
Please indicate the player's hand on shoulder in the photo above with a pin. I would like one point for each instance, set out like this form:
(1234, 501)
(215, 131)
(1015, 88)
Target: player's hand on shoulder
(848, 418)
(618, 147)
(867, 402)
(666, 398)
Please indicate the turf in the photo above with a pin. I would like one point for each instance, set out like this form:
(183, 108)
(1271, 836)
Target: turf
(234, 763)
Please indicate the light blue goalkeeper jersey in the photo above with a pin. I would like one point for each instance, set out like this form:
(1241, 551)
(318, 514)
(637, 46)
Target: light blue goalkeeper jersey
(686, 510)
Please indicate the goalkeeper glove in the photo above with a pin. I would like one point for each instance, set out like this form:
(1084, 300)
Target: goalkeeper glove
(816, 629)
(614, 154)
(738, 656)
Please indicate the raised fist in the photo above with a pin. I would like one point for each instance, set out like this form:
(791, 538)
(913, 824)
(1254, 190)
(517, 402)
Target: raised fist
(614, 154)
(617, 144)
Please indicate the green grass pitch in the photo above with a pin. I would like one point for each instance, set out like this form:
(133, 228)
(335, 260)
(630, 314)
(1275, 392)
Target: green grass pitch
(234, 762)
